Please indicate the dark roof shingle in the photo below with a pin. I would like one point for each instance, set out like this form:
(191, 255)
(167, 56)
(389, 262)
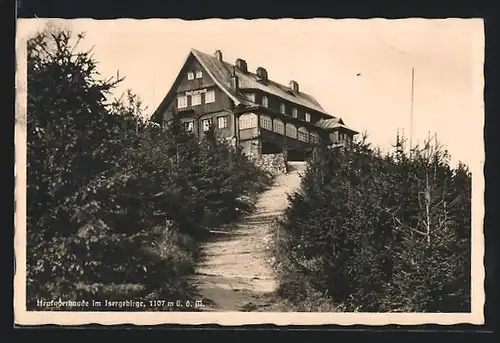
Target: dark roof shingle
(247, 80)
(333, 124)
(221, 72)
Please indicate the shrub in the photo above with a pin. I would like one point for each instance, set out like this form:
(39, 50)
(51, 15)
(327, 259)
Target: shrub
(116, 208)
(377, 232)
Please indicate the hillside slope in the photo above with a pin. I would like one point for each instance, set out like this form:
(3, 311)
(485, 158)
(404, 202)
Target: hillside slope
(236, 274)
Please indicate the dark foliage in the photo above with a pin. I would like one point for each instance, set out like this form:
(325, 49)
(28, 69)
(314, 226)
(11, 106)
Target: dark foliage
(379, 233)
(116, 206)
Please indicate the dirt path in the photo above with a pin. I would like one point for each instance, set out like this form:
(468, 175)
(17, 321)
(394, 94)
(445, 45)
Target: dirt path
(236, 275)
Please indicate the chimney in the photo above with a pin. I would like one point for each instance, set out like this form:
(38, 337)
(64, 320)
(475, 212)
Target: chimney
(241, 65)
(235, 85)
(262, 73)
(294, 86)
(218, 55)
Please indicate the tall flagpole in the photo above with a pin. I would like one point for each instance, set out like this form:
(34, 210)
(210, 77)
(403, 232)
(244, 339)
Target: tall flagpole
(411, 109)
(154, 94)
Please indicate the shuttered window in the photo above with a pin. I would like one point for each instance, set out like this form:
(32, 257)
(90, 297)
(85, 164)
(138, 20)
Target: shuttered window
(210, 96)
(196, 99)
(182, 101)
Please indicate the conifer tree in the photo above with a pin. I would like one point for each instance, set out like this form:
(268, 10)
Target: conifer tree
(378, 232)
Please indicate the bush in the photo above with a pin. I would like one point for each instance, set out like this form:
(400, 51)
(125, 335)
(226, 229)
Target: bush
(116, 208)
(378, 233)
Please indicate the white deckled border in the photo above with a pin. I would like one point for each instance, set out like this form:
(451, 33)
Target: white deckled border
(24, 317)
(240, 318)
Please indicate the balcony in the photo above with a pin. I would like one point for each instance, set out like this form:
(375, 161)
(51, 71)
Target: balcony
(276, 133)
(249, 133)
(252, 125)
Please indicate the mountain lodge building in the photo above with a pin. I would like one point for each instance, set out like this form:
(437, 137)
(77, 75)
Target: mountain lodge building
(248, 108)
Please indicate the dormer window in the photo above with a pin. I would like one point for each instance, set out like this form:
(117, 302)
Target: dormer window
(282, 108)
(308, 117)
(262, 74)
(265, 101)
(294, 112)
(190, 75)
(199, 74)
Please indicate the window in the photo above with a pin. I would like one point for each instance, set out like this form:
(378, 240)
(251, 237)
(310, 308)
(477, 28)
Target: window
(278, 126)
(308, 117)
(248, 121)
(294, 112)
(291, 131)
(303, 135)
(222, 122)
(207, 124)
(338, 136)
(314, 138)
(189, 126)
(266, 123)
(199, 74)
(196, 99)
(282, 108)
(265, 101)
(182, 101)
(190, 75)
(251, 97)
(210, 96)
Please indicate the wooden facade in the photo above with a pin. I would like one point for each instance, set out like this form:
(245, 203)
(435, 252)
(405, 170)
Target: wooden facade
(256, 113)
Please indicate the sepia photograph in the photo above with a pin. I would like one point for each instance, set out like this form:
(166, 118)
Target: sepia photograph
(290, 172)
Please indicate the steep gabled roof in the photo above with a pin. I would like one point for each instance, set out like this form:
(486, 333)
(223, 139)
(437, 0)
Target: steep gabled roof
(248, 80)
(221, 71)
(220, 76)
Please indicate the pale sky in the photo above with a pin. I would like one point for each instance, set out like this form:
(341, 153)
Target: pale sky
(324, 56)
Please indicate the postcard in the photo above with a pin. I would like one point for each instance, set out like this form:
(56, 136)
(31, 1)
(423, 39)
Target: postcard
(289, 172)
